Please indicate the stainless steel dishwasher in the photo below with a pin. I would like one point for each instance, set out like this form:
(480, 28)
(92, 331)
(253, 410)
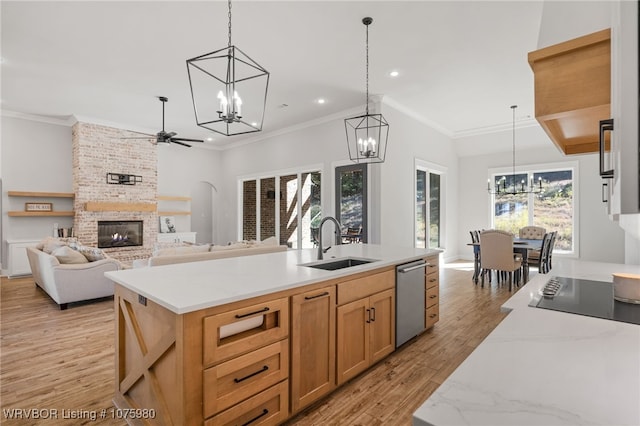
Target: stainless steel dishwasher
(410, 300)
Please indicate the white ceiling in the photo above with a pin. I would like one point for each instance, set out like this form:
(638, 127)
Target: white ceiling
(461, 63)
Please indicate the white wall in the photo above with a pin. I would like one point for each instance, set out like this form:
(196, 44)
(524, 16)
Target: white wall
(410, 139)
(566, 20)
(179, 171)
(320, 144)
(596, 231)
(36, 156)
(392, 198)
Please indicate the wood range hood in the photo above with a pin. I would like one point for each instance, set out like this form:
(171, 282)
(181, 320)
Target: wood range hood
(573, 91)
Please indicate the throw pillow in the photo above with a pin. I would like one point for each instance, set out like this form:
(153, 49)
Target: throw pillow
(49, 244)
(67, 255)
(91, 253)
(271, 241)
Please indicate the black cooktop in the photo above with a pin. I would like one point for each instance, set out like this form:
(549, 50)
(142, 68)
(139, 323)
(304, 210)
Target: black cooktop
(585, 297)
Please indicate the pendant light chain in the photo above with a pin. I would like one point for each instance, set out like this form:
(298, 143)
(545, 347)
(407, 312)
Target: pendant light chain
(229, 45)
(367, 78)
(513, 107)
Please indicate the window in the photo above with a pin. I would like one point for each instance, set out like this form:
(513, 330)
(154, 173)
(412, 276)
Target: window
(552, 208)
(429, 205)
(351, 202)
(285, 206)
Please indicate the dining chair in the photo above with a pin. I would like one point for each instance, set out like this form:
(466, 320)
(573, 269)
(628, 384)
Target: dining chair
(542, 258)
(475, 239)
(532, 232)
(496, 251)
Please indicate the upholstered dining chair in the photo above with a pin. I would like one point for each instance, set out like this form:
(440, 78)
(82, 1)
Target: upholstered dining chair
(496, 253)
(532, 232)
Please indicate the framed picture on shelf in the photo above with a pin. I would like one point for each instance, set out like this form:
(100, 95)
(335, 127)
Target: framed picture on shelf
(38, 207)
(167, 224)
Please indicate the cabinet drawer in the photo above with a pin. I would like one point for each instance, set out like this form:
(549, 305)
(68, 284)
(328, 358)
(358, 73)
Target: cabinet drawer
(232, 381)
(431, 280)
(359, 288)
(269, 407)
(432, 316)
(273, 327)
(433, 265)
(433, 296)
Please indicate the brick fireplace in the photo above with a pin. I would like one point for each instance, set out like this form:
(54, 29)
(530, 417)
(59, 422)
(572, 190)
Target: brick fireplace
(97, 151)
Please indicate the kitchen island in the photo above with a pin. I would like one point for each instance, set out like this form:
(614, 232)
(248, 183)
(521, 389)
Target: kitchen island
(543, 367)
(254, 339)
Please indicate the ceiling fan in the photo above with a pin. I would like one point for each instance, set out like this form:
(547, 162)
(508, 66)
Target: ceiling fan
(168, 137)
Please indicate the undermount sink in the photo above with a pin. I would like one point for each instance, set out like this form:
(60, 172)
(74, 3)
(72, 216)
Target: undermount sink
(341, 263)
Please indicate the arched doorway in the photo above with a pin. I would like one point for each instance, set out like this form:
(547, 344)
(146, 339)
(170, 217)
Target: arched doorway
(202, 211)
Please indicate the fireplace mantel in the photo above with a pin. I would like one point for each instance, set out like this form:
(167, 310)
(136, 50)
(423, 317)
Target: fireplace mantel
(99, 206)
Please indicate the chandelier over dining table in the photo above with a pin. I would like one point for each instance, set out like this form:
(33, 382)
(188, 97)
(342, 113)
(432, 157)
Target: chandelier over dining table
(514, 185)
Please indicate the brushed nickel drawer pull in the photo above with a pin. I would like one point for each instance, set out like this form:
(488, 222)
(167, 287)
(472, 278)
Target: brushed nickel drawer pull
(264, 412)
(265, 368)
(368, 316)
(326, 293)
(252, 313)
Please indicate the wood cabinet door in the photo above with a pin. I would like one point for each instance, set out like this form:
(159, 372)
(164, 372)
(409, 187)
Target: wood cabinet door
(382, 331)
(313, 346)
(353, 352)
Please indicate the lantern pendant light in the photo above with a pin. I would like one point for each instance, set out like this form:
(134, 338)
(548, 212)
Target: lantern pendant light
(367, 134)
(228, 89)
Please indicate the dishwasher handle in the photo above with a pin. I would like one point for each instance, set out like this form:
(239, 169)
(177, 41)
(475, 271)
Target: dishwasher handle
(412, 268)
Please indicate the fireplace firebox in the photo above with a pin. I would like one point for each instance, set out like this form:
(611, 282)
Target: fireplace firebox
(120, 233)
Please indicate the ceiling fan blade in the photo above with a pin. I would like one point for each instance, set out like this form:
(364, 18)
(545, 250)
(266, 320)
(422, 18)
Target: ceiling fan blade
(180, 143)
(187, 140)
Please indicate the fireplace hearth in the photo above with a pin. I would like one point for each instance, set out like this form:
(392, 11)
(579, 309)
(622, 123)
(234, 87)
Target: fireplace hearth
(121, 233)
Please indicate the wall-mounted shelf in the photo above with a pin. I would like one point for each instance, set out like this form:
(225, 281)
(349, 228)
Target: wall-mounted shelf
(174, 213)
(40, 194)
(171, 198)
(32, 214)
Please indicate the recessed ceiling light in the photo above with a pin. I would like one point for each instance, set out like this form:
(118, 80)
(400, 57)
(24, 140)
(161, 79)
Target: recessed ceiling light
(254, 124)
(321, 101)
(394, 73)
(209, 139)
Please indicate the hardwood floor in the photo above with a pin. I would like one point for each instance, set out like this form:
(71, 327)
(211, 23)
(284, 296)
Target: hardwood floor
(64, 360)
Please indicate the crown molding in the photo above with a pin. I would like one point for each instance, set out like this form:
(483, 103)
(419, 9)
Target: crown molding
(530, 122)
(416, 116)
(315, 122)
(68, 120)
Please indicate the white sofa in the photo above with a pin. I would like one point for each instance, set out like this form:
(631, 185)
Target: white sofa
(67, 283)
(188, 253)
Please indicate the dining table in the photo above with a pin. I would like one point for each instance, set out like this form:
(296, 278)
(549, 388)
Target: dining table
(521, 246)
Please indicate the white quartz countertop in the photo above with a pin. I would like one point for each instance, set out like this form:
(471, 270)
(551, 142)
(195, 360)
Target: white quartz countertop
(543, 367)
(189, 287)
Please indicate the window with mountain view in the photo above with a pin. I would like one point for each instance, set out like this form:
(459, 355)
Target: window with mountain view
(552, 207)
